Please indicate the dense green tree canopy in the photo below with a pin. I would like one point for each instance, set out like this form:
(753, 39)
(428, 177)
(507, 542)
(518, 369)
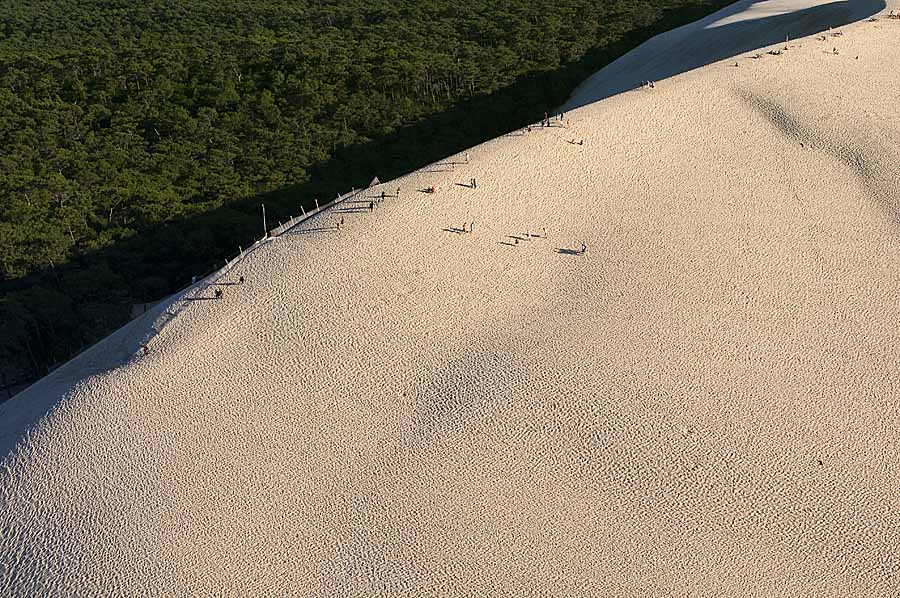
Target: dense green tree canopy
(139, 138)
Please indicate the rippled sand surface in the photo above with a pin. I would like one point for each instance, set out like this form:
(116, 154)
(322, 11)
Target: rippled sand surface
(705, 403)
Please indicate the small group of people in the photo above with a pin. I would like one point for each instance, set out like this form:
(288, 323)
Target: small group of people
(471, 227)
(648, 84)
(472, 183)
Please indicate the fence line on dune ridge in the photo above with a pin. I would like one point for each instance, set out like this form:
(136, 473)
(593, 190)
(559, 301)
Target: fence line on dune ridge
(202, 282)
(212, 277)
(294, 221)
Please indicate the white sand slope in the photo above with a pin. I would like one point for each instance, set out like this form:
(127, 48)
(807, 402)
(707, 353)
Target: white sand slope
(740, 27)
(705, 403)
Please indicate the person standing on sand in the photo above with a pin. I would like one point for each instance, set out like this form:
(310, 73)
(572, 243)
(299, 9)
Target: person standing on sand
(583, 247)
(371, 205)
(472, 227)
(543, 233)
(241, 280)
(382, 196)
(467, 157)
(341, 223)
(398, 191)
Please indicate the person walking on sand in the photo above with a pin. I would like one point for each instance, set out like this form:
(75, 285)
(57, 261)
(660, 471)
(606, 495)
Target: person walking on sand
(583, 247)
(241, 280)
(218, 294)
(382, 196)
(464, 227)
(467, 157)
(543, 233)
(371, 205)
(471, 227)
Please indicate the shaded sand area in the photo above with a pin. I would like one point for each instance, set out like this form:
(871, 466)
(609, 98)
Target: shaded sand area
(704, 403)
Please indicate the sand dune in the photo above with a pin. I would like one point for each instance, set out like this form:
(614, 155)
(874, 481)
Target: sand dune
(704, 403)
(741, 27)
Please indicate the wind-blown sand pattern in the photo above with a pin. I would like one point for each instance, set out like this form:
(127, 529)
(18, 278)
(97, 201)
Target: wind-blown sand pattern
(705, 403)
